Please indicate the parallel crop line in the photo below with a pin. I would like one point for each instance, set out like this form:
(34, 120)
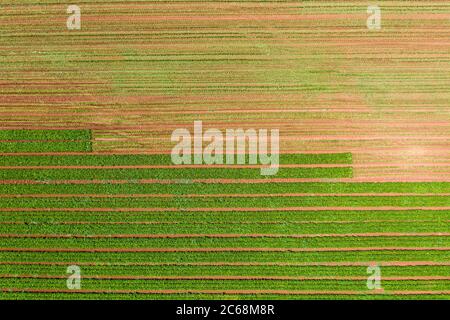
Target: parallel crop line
(173, 166)
(224, 278)
(234, 292)
(416, 178)
(235, 264)
(205, 235)
(217, 222)
(223, 195)
(206, 209)
(118, 250)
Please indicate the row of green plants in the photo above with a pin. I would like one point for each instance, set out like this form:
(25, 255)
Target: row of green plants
(152, 159)
(183, 202)
(228, 188)
(46, 175)
(237, 242)
(242, 270)
(230, 217)
(45, 134)
(186, 228)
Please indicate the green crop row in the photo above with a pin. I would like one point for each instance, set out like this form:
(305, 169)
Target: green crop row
(232, 217)
(46, 146)
(186, 228)
(45, 135)
(199, 270)
(368, 255)
(192, 296)
(242, 242)
(183, 202)
(232, 188)
(95, 284)
(157, 159)
(168, 173)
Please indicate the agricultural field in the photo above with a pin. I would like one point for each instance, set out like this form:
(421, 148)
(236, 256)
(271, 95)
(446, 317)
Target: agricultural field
(87, 180)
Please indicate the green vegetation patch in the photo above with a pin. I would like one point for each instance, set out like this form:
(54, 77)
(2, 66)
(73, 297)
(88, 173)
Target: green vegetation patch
(45, 134)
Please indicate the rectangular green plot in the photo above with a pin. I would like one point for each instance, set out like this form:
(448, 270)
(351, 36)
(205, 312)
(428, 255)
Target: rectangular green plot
(115, 284)
(230, 217)
(46, 146)
(192, 228)
(170, 173)
(225, 270)
(156, 159)
(194, 296)
(237, 242)
(229, 188)
(238, 256)
(227, 202)
(45, 135)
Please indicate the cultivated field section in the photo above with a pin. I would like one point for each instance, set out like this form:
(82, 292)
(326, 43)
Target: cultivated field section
(92, 205)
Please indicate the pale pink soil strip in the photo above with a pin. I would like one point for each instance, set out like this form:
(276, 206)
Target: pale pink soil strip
(118, 250)
(355, 150)
(151, 126)
(222, 195)
(206, 235)
(250, 209)
(126, 152)
(293, 278)
(327, 137)
(231, 292)
(309, 109)
(237, 264)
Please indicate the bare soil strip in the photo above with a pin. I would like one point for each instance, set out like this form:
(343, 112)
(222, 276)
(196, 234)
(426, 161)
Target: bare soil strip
(128, 152)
